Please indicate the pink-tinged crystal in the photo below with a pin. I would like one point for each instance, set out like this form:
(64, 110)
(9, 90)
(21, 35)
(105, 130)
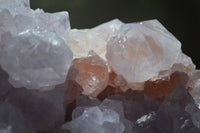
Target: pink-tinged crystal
(158, 89)
(93, 74)
(141, 50)
(82, 41)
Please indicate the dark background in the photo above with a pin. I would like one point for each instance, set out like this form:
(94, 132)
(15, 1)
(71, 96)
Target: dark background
(180, 17)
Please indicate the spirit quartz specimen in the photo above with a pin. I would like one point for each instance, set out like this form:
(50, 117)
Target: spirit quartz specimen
(113, 78)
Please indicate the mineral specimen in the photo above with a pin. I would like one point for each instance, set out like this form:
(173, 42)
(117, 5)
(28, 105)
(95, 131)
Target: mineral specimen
(114, 78)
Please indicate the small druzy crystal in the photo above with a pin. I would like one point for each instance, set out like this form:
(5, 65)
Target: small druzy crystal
(93, 74)
(16, 6)
(97, 119)
(18, 18)
(158, 89)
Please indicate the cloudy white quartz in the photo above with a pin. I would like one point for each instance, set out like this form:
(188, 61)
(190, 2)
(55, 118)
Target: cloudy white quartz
(33, 45)
(141, 50)
(36, 59)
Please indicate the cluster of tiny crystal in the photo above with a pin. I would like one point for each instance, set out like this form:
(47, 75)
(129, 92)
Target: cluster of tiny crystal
(113, 78)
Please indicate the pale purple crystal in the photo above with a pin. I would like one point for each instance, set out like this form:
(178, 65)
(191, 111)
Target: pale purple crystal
(36, 59)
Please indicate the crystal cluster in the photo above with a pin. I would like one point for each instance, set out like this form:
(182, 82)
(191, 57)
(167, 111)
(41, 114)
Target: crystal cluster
(113, 78)
(33, 43)
(134, 112)
(82, 41)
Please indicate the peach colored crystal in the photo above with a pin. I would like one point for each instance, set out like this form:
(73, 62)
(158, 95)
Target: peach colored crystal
(93, 74)
(158, 89)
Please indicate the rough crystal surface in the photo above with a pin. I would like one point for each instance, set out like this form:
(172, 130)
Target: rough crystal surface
(83, 41)
(56, 22)
(135, 104)
(137, 113)
(158, 89)
(16, 6)
(26, 18)
(135, 80)
(97, 119)
(141, 50)
(36, 59)
(155, 121)
(16, 23)
(93, 74)
(38, 43)
(194, 82)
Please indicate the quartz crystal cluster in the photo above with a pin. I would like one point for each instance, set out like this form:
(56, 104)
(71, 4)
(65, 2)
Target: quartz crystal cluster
(33, 43)
(113, 78)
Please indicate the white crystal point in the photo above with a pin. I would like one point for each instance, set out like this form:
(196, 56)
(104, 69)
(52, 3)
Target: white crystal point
(95, 120)
(83, 41)
(141, 50)
(56, 22)
(36, 59)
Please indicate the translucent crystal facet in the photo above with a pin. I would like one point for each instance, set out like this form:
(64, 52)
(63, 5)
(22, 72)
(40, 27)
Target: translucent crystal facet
(36, 59)
(93, 74)
(141, 50)
(83, 41)
(97, 119)
(120, 78)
